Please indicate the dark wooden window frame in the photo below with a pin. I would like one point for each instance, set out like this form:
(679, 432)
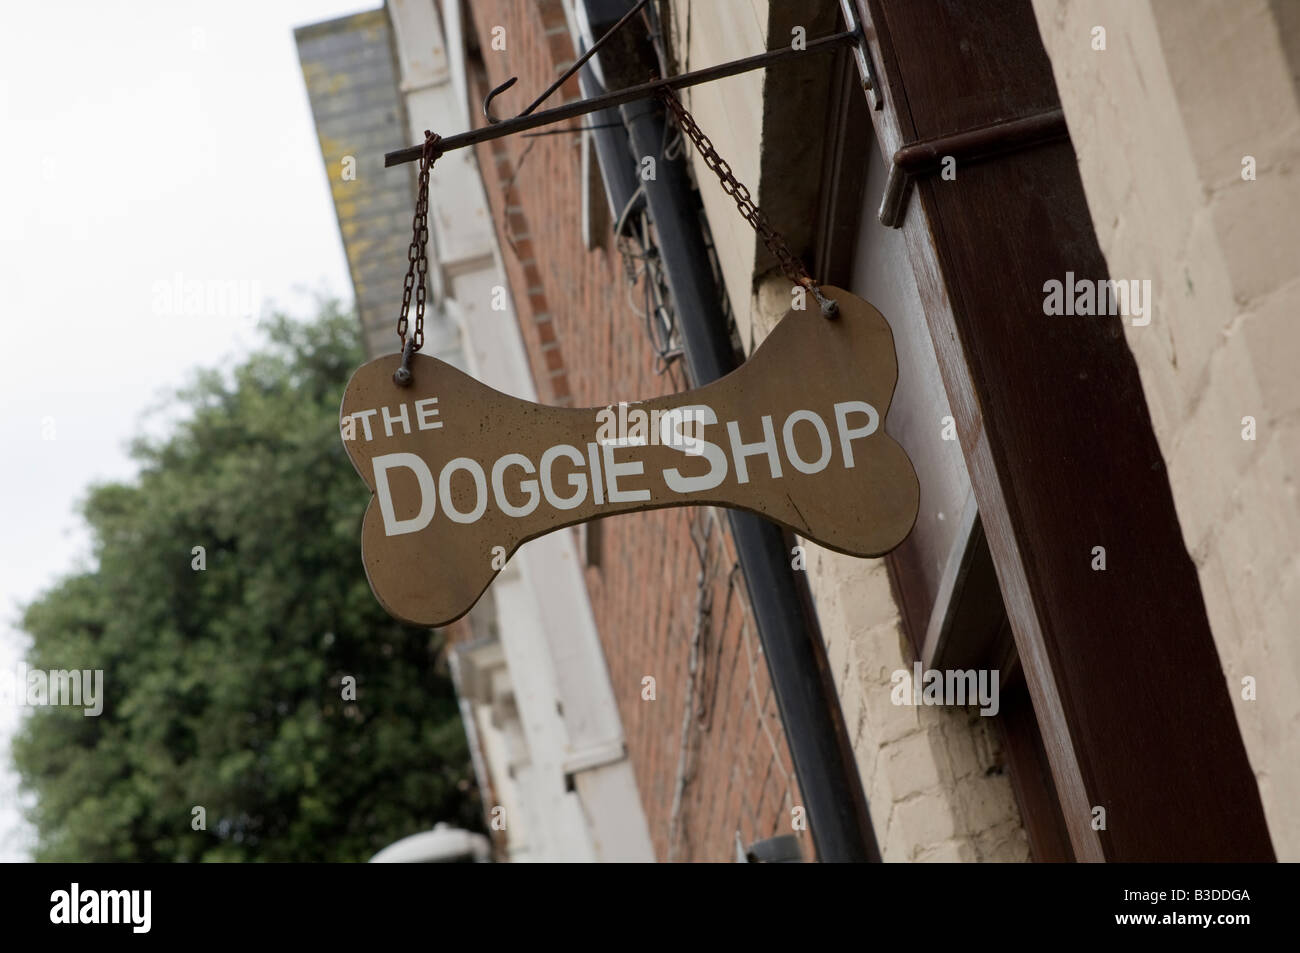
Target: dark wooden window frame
(957, 620)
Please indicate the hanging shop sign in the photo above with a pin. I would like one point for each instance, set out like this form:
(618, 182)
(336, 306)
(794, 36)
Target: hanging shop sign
(462, 475)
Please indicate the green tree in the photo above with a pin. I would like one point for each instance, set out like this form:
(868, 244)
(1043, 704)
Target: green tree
(224, 687)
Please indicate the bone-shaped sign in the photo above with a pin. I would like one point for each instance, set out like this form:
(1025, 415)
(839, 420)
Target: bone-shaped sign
(463, 474)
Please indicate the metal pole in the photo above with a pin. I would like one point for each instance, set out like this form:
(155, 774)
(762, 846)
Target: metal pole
(507, 127)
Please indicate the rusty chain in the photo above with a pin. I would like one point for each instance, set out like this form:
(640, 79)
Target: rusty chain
(418, 265)
(791, 266)
(417, 261)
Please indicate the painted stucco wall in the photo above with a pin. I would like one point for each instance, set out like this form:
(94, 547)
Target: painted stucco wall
(1163, 120)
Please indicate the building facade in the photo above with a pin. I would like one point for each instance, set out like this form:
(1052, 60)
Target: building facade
(1107, 503)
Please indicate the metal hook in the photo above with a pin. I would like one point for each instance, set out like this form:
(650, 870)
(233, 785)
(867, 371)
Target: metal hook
(577, 65)
(487, 100)
(402, 376)
(830, 308)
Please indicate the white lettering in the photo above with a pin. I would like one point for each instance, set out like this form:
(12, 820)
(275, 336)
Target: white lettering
(787, 435)
(740, 450)
(365, 416)
(695, 446)
(424, 415)
(577, 480)
(847, 434)
(480, 490)
(614, 469)
(597, 482)
(392, 525)
(389, 420)
(528, 486)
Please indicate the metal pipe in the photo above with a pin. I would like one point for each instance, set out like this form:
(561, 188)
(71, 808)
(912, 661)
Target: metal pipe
(787, 625)
(612, 152)
(507, 127)
(919, 158)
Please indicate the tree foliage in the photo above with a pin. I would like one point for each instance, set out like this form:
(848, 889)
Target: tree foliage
(224, 686)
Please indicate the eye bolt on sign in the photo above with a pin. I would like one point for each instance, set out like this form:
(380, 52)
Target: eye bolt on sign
(456, 469)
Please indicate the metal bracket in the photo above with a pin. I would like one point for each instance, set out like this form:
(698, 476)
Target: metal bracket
(862, 53)
(783, 849)
(655, 88)
(577, 65)
(915, 159)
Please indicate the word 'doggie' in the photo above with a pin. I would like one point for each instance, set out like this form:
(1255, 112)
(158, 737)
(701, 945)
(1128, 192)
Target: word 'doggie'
(606, 469)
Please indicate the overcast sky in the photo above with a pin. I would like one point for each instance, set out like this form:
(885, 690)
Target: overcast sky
(142, 145)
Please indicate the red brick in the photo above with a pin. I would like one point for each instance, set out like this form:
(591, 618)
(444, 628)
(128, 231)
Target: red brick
(551, 12)
(585, 346)
(532, 277)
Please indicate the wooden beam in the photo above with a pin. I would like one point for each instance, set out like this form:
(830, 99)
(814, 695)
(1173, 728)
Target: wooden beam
(1121, 666)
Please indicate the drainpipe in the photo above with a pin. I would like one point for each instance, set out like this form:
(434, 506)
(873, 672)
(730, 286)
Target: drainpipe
(787, 624)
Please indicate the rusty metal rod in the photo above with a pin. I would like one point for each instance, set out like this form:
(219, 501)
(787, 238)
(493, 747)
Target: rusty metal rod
(915, 159)
(992, 139)
(508, 127)
(560, 80)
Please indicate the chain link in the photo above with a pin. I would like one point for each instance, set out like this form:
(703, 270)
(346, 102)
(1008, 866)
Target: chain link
(418, 265)
(791, 265)
(417, 261)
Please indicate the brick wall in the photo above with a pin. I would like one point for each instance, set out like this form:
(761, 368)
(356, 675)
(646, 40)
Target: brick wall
(709, 751)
